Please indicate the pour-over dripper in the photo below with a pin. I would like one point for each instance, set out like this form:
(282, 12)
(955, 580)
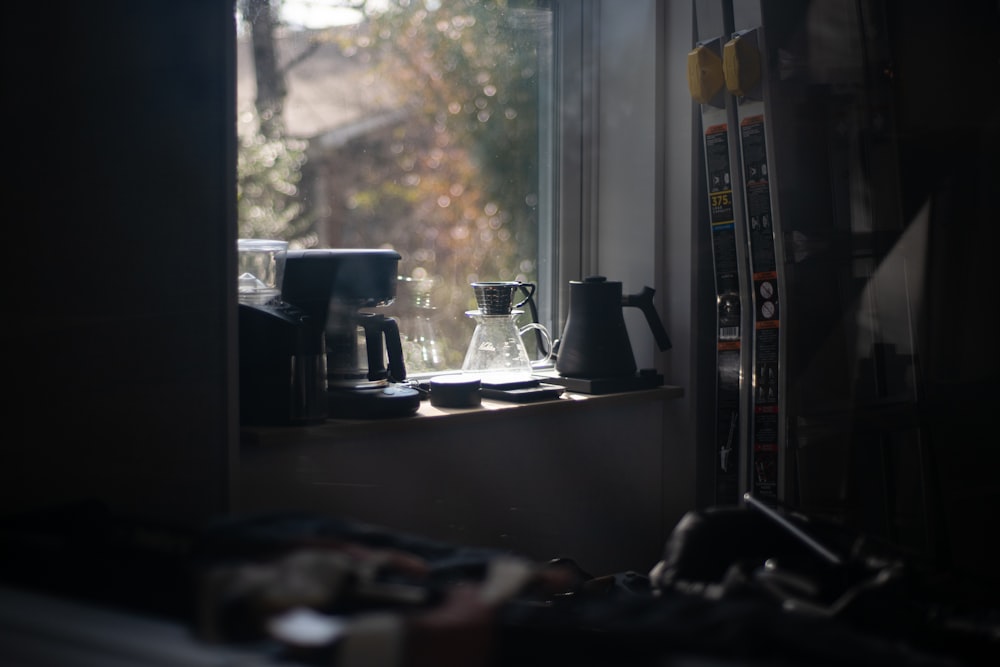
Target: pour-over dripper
(497, 345)
(497, 298)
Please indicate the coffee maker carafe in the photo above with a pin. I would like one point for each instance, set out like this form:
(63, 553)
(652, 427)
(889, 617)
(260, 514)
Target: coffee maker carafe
(364, 356)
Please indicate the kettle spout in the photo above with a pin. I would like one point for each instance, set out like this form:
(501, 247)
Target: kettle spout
(644, 301)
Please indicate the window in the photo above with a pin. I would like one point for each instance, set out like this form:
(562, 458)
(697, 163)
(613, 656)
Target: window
(426, 126)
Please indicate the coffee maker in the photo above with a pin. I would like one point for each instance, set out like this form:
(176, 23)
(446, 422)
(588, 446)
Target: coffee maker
(364, 354)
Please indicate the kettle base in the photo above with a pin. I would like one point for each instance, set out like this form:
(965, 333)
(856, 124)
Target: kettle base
(644, 379)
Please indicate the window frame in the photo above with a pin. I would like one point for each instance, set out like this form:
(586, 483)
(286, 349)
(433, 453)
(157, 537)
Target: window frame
(568, 158)
(571, 251)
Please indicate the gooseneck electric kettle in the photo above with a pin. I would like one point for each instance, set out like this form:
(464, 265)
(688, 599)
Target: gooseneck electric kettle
(595, 342)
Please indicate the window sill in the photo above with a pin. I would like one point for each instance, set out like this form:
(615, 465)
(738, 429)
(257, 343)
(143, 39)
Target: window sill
(429, 417)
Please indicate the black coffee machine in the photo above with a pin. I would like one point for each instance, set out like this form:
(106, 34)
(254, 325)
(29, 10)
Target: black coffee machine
(333, 286)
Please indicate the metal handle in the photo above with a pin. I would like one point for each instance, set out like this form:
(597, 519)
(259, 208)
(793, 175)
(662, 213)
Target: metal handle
(529, 291)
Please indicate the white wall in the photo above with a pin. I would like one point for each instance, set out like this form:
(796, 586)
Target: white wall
(644, 227)
(683, 265)
(627, 178)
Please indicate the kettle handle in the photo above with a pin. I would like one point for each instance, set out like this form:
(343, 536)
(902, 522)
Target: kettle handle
(644, 302)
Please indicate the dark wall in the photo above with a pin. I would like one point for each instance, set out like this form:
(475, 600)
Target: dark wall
(885, 149)
(119, 220)
(947, 72)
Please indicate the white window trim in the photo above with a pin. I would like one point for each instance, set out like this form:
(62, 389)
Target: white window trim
(575, 186)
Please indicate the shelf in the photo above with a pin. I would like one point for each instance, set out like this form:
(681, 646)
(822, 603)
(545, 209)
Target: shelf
(583, 474)
(429, 416)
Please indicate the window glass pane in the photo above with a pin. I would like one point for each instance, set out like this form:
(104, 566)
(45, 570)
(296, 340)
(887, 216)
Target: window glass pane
(415, 125)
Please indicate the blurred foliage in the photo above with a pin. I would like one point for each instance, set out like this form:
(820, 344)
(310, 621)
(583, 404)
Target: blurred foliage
(268, 173)
(452, 184)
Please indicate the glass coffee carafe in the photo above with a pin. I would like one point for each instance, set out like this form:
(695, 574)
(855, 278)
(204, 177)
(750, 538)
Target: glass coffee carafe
(497, 346)
(417, 326)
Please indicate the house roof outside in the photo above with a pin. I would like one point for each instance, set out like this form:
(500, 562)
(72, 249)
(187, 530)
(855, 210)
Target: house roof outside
(330, 96)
